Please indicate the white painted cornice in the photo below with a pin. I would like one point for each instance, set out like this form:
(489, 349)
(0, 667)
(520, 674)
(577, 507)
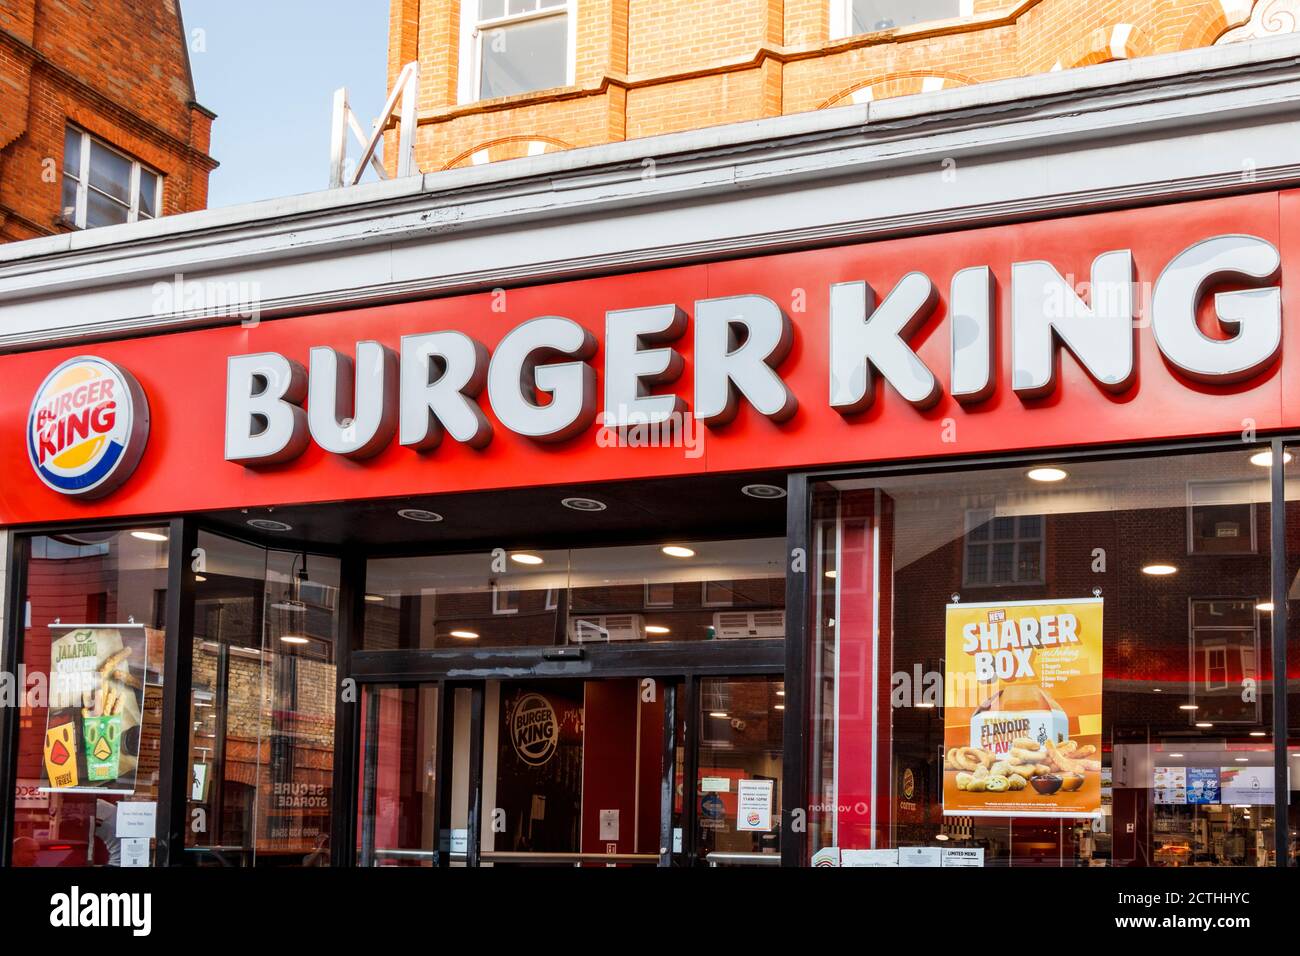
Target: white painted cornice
(1198, 123)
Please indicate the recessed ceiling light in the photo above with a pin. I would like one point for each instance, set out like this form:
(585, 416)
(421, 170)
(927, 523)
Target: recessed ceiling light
(941, 836)
(1175, 755)
(419, 514)
(1265, 458)
(1264, 606)
(1187, 707)
(375, 598)
(269, 524)
(293, 639)
(1204, 724)
(778, 706)
(1159, 569)
(583, 504)
(721, 714)
(1242, 759)
(677, 551)
(763, 491)
(465, 635)
(656, 629)
(924, 705)
(1047, 473)
(199, 579)
(832, 573)
(780, 693)
(526, 557)
(149, 535)
(1157, 690)
(1258, 733)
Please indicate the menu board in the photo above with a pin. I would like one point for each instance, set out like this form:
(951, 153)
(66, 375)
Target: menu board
(1022, 716)
(1185, 785)
(97, 688)
(1170, 784)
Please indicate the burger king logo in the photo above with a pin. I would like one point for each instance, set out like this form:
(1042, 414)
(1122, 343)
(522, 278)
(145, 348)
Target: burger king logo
(534, 731)
(87, 427)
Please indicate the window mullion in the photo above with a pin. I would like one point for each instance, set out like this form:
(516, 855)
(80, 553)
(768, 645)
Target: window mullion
(82, 212)
(133, 193)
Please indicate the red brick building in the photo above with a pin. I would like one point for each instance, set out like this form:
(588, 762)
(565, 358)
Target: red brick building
(98, 118)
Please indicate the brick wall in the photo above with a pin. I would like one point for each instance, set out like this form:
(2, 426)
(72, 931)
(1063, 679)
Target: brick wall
(118, 69)
(644, 67)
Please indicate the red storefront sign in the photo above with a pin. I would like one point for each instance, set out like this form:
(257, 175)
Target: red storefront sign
(184, 375)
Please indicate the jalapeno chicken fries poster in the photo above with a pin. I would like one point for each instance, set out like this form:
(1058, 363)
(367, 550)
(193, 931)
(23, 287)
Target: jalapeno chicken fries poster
(1022, 715)
(97, 686)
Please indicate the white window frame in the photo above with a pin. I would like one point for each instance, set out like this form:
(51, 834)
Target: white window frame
(1213, 653)
(472, 31)
(841, 17)
(83, 181)
(505, 599)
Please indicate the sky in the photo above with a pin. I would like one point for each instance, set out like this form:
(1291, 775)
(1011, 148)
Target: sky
(269, 69)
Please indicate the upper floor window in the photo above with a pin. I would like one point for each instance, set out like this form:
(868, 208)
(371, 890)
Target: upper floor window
(1003, 549)
(515, 46)
(104, 187)
(851, 17)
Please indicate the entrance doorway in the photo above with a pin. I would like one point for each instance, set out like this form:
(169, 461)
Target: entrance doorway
(571, 772)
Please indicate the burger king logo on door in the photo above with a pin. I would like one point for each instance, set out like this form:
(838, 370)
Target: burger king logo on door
(87, 427)
(534, 730)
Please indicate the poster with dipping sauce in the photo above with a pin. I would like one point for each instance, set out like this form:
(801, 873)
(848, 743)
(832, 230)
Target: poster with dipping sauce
(1022, 708)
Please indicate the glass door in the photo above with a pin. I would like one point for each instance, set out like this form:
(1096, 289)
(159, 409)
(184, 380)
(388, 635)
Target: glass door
(514, 773)
(737, 770)
(416, 800)
(545, 772)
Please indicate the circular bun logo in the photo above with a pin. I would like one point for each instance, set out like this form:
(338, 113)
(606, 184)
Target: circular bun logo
(909, 784)
(534, 731)
(87, 427)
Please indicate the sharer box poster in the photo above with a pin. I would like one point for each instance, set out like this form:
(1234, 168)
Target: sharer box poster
(1022, 721)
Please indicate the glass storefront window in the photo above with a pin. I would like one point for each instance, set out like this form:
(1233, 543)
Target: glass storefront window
(1292, 659)
(1061, 666)
(262, 705)
(681, 591)
(697, 591)
(90, 722)
(491, 599)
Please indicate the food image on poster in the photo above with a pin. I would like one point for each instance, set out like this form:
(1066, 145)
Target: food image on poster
(97, 685)
(1022, 716)
(61, 756)
(1203, 785)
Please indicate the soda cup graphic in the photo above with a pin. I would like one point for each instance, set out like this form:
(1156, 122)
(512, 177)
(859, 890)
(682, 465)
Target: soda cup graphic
(103, 737)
